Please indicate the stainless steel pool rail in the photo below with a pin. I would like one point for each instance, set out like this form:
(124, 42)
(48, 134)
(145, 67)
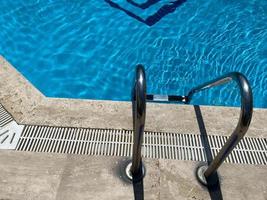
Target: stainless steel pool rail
(204, 172)
(135, 170)
(139, 110)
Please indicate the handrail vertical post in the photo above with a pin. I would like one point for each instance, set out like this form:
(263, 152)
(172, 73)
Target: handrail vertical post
(139, 115)
(135, 170)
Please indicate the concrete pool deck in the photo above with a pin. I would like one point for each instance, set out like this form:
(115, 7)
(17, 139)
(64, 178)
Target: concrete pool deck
(42, 176)
(63, 176)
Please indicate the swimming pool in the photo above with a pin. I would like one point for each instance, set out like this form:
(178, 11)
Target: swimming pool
(89, 49)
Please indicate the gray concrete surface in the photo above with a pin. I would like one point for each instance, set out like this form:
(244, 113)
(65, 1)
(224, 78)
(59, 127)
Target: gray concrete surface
(29, 106)
(42, 176)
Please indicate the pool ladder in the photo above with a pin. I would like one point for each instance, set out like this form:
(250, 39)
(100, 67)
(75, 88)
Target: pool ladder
(139, 99)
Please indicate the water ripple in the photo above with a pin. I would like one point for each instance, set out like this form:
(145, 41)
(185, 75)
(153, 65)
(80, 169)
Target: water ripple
(87, 49)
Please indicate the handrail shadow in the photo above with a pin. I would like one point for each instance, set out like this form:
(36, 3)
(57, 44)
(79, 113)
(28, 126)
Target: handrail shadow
(213, 182)
(135, 181)
(138, 187)
(152, 19)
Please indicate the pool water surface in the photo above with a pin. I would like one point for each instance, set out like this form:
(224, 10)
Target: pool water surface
(89, 49)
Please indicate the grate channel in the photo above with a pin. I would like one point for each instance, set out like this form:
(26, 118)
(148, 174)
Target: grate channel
(110, 142)
(5, 117)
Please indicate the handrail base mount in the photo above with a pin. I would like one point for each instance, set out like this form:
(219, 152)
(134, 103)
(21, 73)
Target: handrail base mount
(137, 177)
(212, 180)
(200, 174)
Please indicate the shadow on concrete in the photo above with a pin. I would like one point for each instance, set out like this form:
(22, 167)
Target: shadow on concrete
(152, 19)
(138, 188)
(136, 182)
(213, 186)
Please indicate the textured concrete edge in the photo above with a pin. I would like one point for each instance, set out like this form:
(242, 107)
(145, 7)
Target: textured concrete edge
(29, 106)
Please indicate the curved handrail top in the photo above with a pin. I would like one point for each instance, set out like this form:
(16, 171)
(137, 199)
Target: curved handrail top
(246, 98)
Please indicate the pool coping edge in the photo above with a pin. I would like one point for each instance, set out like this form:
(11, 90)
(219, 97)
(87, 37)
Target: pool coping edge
(28, 105)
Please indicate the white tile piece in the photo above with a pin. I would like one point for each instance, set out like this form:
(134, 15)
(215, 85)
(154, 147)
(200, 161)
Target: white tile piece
(9, 135)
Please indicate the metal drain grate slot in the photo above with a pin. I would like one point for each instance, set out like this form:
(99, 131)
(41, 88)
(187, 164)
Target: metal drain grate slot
(109, 142)
(5, 117)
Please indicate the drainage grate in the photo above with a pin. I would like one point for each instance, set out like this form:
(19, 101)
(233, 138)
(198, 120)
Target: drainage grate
(107, 142)
(5, 117)
(10, 135)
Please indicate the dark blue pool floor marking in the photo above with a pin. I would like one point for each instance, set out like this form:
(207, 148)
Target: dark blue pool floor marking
(152, 19)
(145, 5)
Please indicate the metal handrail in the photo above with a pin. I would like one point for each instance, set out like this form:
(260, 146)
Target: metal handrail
(243, 123)
(139, 98)
(139, 116)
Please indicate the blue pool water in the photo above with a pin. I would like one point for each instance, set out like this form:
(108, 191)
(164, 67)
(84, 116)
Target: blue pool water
(89, 49)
